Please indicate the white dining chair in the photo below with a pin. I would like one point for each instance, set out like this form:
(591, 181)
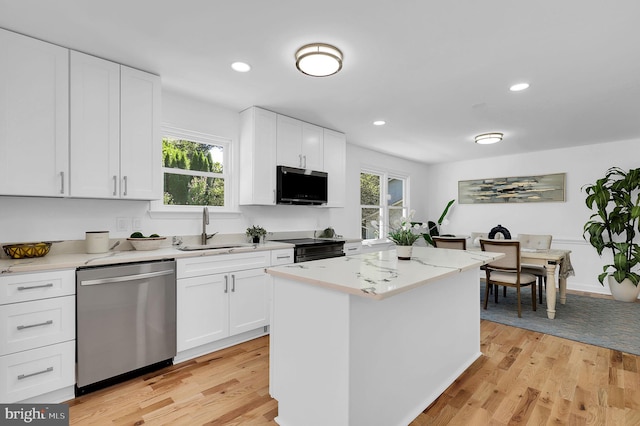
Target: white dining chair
(536, 242)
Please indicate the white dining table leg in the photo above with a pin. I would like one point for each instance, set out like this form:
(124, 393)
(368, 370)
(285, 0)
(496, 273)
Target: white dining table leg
(551, 290)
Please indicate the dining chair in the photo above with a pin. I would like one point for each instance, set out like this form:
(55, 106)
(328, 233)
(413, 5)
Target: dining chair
(535, 242)
(506, 271)
(450, 243)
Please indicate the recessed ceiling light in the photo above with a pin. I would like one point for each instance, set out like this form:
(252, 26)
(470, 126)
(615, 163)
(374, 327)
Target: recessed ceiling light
(518, 87)
(379, 123)
(241, 66)
(488, 138)
(319, 59)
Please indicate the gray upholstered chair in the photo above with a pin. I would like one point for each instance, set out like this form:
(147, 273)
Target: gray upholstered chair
(535, 242)
(450, 242)
(506, 271)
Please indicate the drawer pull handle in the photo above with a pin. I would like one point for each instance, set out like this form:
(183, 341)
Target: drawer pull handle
(22, 327)
(21, 288)
(283, 257)
(24, 376)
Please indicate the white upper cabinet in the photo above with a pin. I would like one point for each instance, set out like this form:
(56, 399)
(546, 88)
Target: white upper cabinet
(115, 142)
(299, 144)
(257, 157)
(34, 117)
(335, 164)
(140, 140)
(95, 127)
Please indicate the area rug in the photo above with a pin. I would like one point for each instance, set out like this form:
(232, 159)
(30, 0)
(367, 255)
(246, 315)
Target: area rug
(596, 321)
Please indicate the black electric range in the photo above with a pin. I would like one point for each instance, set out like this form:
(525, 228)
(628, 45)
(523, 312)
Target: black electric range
(306, 249)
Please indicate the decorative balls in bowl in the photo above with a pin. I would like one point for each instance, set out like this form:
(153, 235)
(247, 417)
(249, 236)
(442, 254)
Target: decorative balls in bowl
(140, 242)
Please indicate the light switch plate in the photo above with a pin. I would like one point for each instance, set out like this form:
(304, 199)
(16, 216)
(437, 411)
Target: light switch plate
(136, 224)
(123, 224)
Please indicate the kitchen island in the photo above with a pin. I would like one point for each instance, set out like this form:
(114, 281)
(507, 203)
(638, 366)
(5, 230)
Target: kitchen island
(369, 339)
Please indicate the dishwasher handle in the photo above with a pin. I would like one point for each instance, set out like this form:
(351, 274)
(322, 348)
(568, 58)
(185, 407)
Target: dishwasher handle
(125, 278)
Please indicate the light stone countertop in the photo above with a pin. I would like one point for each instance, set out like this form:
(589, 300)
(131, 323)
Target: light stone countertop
(75, 260)
(380, 274)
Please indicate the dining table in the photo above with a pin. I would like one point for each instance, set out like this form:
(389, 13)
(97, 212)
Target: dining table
(554, 260)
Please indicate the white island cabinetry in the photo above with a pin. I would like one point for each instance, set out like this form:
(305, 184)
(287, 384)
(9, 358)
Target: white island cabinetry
(398, 334)
(34, 117)
(221, 300)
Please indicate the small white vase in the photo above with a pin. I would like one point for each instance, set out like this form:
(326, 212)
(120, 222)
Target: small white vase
(624, 291)
(404, 252)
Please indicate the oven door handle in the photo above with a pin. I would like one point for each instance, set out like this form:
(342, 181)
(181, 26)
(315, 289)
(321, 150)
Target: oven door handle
(125, 278)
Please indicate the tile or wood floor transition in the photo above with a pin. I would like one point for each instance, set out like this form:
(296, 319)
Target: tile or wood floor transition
(523, 378)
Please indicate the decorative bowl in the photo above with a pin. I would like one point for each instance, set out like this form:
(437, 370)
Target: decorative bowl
(19, 251)
(151, 243)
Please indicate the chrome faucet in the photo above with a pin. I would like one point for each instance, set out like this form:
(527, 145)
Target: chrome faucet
(205, 221)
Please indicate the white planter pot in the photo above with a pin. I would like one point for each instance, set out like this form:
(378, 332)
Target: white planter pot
(404, 252)
(624, 291)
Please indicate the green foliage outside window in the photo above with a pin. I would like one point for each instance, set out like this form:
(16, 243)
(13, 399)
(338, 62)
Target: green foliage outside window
(194, 181)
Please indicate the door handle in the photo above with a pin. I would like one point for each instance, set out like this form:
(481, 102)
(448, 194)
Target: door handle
(115, 185)
(226, 284)
(62, 182)
(233, 283)
(126, 278)
(126, 186)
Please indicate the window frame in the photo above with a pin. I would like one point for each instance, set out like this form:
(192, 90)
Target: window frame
(385, 175)
(204, 138)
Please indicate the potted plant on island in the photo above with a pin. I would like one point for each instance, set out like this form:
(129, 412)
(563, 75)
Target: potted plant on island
(256, 233)
(403, 235)
(615, 198)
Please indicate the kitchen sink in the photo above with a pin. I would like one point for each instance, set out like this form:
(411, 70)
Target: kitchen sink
(214, 246)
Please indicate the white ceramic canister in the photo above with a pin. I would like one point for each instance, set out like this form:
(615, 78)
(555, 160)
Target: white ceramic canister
(97, 241)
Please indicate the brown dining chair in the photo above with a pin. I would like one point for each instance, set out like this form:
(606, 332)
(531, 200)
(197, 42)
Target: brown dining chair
(535, 242)
(450, 243)
(506, 271)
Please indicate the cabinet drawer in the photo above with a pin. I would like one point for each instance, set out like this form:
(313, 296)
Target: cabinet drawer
(39, 285)
(281, 257)
(30, 325)
(352, 248)
(35, 372)
(221, 263)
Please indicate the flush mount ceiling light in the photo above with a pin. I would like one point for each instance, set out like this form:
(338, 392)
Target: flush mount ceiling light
(319, 59)
(488, 138)
(379, 123)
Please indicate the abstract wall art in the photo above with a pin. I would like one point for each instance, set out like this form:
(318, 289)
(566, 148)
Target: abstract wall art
(518, 189)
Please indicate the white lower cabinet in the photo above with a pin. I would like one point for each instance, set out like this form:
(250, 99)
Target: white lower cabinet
(37, 338)
(211, 307)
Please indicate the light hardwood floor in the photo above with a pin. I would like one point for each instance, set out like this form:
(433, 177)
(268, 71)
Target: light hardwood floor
(523, 378)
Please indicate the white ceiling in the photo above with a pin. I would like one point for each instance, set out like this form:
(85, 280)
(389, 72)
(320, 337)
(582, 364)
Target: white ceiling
(437, 71)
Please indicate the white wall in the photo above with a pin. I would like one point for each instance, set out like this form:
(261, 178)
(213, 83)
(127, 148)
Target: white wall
(357, 158)
(564, 220)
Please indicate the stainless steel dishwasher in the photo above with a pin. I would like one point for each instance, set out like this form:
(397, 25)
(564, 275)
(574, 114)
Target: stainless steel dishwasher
(126, 321)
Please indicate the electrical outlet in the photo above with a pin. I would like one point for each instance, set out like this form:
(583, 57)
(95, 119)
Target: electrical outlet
(136, 224)
(123, 224)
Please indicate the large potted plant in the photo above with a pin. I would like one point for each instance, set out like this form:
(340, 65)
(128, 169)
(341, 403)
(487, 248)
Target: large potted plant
(615, 199)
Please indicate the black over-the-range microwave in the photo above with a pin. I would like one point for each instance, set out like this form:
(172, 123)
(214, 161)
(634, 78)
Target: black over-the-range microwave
(300, 186)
